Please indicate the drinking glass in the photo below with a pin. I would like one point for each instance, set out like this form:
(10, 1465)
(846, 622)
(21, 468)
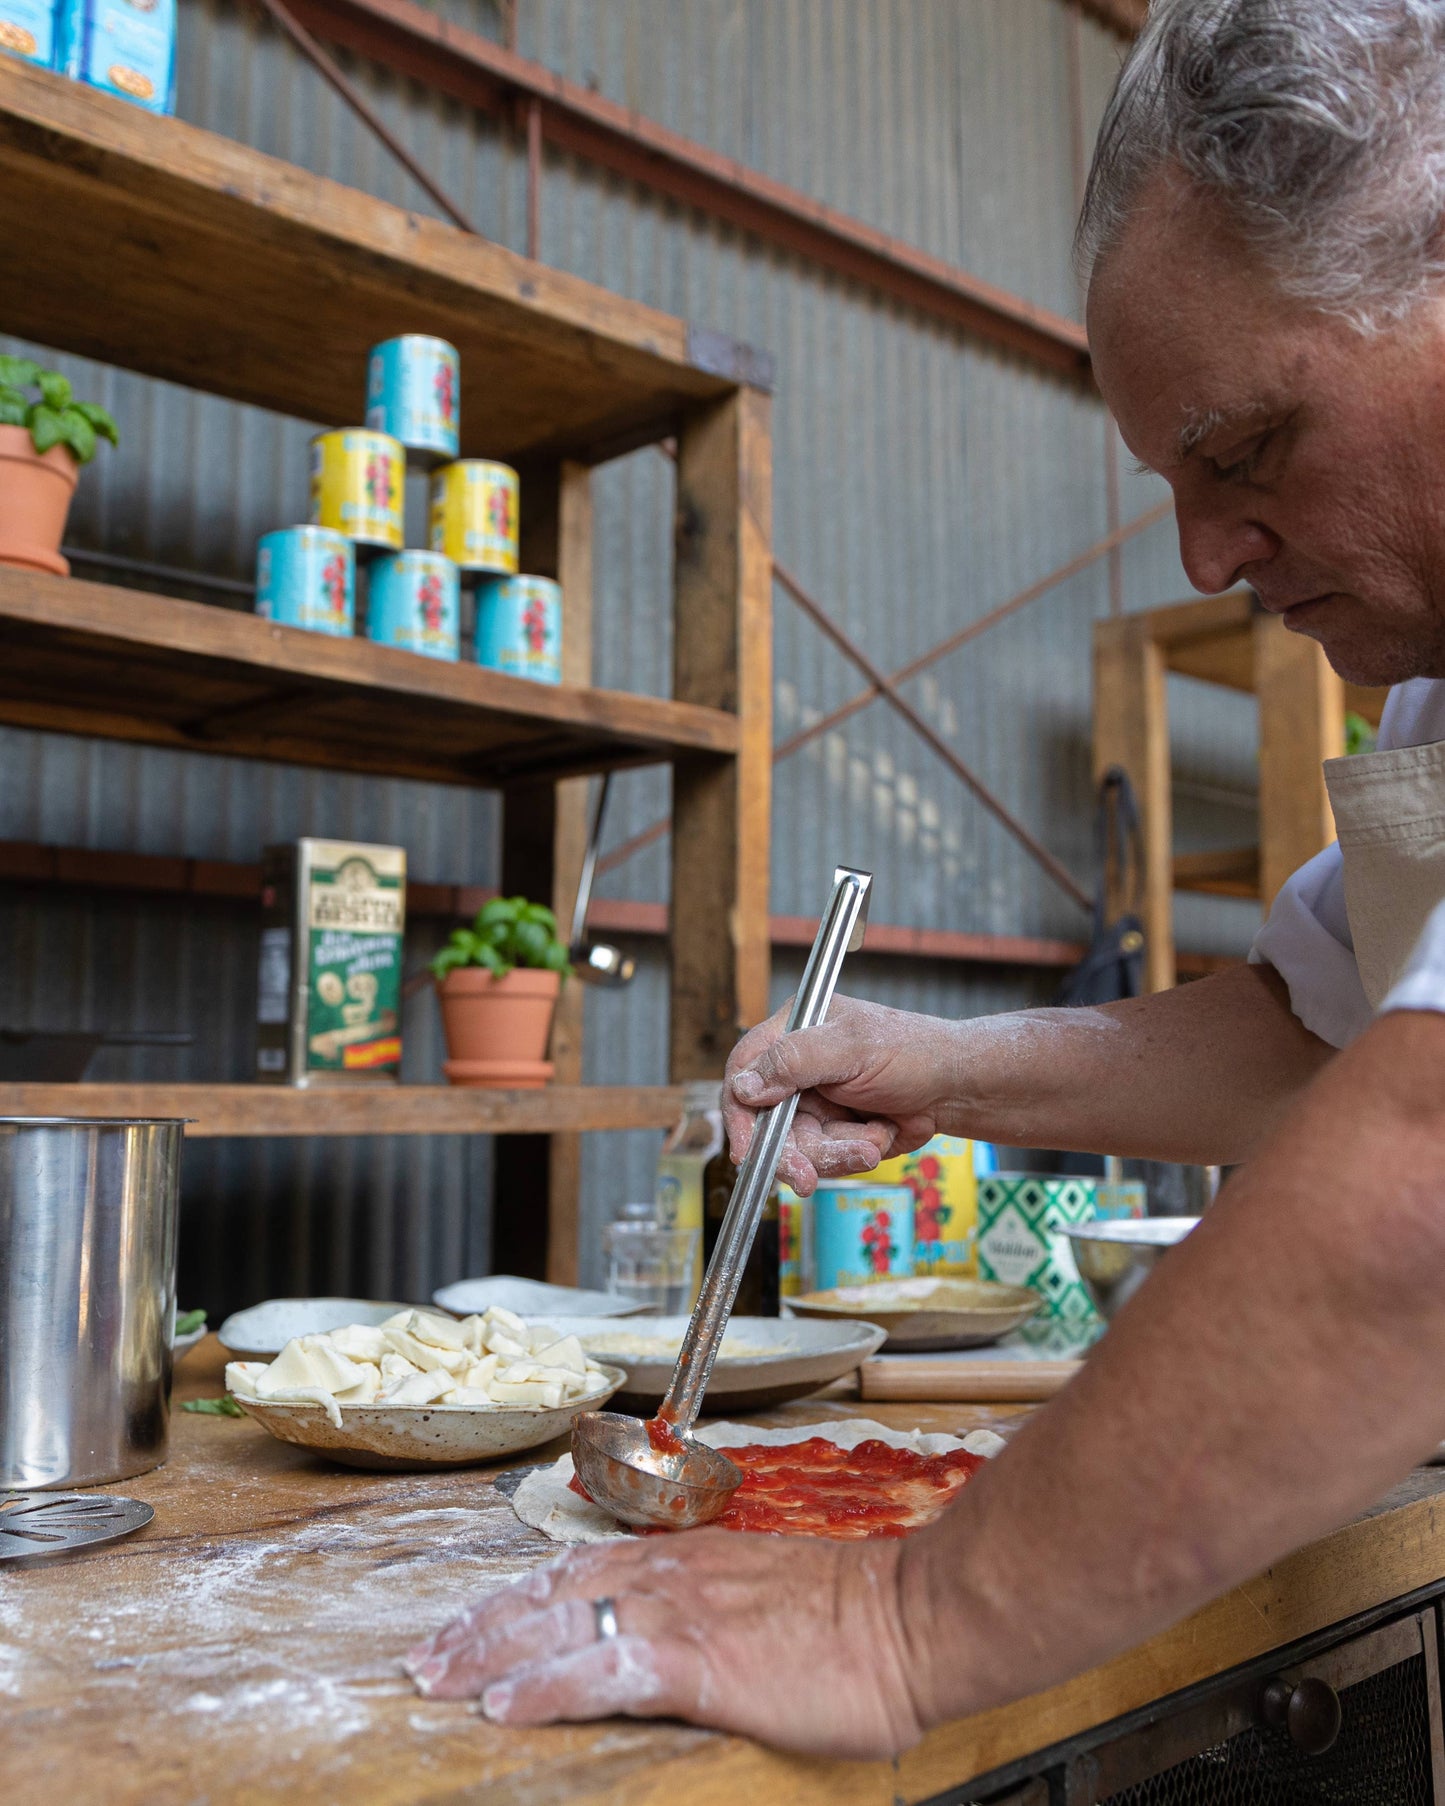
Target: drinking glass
(651, 1266)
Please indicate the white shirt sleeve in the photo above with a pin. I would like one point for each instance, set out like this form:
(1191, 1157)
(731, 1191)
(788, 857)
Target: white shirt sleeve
(1306, 938)
(1421, 986)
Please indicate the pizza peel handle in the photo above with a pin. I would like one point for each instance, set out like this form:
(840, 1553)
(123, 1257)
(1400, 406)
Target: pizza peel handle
(615, 1459)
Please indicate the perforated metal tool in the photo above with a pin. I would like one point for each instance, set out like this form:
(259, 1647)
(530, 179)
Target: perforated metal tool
(53, 1523)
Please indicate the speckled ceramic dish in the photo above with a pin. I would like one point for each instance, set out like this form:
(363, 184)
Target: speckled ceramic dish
(406, 1438)
(920, 1315)
(764, 1361)
(263, 1330)
(530, 1298)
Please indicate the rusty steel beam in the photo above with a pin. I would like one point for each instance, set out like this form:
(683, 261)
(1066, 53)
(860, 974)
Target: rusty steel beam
(1122, 16)
(411, 40)
(796, 742)
(931, 738)
(326, 67)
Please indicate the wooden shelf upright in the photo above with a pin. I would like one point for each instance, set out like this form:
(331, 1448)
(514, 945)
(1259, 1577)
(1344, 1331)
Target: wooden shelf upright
(1228, 640)
(182, 255)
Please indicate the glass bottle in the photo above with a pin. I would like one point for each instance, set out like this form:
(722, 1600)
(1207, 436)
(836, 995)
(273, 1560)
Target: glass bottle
(758, 1293)
(682, 1164)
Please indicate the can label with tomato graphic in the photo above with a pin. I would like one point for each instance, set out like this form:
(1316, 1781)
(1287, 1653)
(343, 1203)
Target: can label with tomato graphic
(795, 1254)
(861, 1232)
(475, 515)
(306, 577)
(413, 389)
(357, 486)
(414, 602)
(519, 627)
(941, 1178)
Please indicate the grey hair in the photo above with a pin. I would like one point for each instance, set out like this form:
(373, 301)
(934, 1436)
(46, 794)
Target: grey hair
(1318, 126)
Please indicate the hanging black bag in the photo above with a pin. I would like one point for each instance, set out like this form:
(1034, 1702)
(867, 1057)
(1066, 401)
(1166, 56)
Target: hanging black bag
(1113, 967)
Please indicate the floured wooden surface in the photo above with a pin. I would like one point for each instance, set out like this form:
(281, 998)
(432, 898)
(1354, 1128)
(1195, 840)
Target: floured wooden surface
(244, 1646)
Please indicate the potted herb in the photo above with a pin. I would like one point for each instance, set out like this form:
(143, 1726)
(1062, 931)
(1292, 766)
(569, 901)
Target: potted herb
(498, 983)
(45, 437)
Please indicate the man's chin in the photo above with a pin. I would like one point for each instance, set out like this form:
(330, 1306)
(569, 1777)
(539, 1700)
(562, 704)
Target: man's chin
(1374, 659)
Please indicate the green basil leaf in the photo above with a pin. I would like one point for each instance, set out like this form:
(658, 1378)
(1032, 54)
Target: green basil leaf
(13, 408)
(78, 434)
(55, 389)
(214, 1407)
(533, 941)
(46, 427)
(186, 1321)
(19, 372)
(103, 423)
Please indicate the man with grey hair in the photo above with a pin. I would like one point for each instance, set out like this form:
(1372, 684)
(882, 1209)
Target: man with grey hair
(1263, 240)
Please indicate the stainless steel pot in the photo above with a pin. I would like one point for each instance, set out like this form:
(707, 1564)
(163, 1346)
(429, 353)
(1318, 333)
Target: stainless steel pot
(88, 1214)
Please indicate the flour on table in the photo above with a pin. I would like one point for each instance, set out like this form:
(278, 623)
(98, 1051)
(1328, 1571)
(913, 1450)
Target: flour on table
(546, 1502)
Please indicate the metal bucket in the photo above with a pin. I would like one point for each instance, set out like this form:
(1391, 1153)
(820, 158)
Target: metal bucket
(88, 1214)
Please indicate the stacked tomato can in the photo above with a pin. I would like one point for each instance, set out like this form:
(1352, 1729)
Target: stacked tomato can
(350, 563)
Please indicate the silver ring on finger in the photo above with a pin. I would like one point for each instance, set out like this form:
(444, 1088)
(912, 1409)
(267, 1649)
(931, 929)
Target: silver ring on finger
(604, 1616)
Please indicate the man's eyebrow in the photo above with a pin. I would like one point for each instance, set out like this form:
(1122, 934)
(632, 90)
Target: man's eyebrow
(1203, 422)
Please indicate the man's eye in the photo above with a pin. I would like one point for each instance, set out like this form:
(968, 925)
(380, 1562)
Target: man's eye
(1240, 469)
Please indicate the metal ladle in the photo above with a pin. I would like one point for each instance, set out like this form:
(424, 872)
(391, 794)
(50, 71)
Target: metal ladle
(615, 1457)
(595, 962)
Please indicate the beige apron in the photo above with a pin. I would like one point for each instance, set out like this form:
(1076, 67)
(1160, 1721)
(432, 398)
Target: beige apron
(1390, 816)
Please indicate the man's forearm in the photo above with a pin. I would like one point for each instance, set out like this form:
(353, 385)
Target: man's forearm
(1202, 1073)
(1277, 1373)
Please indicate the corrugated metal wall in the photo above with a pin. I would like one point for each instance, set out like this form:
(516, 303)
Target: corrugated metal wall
(920, 479)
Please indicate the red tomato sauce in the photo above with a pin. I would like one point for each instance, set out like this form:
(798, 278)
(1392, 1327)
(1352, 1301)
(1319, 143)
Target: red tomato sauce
(815, 1488)
(663, 1437)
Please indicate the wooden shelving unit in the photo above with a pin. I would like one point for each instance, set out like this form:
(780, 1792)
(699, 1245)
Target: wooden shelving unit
(183, 255)
(215, 1110)
(1228, 640)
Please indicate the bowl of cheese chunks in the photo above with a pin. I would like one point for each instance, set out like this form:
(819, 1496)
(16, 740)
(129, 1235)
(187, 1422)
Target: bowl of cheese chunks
(422, 1390)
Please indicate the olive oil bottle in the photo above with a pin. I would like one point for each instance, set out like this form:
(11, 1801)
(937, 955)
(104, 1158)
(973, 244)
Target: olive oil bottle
(758, 1293)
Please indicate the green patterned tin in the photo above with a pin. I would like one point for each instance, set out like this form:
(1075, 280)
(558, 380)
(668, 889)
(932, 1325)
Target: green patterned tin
(1019, 1219)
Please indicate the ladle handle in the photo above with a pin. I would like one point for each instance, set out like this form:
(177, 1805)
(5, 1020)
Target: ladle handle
(839, 932)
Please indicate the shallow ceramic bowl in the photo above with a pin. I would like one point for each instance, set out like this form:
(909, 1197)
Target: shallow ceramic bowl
(919, 1315)
(263, 1330)
(406, 1438)
(799, 1358)
(530, 1298)
(1115, 1257)
(184, 1344)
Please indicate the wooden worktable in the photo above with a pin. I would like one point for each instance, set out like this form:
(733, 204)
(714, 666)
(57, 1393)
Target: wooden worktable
(243, 1647)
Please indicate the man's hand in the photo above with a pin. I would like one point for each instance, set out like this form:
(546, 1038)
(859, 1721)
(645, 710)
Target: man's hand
(871, 1083)
(705, 1618)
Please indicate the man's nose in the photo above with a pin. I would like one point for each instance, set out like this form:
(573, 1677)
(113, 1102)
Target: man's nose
(1218, 539)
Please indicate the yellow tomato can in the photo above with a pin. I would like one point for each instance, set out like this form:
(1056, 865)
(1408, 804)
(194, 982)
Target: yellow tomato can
(358, 480)
(475, 510)
(945, 1204)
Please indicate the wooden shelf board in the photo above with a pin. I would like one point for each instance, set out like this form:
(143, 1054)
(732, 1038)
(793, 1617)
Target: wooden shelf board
(245, 276)
(1228, 872)
(217, 1110)
(90, 659)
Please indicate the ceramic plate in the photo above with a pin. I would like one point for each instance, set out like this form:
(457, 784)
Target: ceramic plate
(263, 1330)
(764, 1360)
(926, 1314)
(530, 1298)
(184, 1344)
(404, 1438)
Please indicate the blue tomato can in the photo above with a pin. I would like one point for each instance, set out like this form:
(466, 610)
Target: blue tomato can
(306, 577)
(861, 1232)
(413, 392)
(414, 602)
(519, 627)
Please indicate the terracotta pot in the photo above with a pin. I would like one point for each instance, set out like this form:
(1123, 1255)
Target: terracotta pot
(502, 1019)
(35, 492)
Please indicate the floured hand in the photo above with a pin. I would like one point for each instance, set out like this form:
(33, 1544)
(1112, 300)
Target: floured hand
(704, 1619)
(871, 1082)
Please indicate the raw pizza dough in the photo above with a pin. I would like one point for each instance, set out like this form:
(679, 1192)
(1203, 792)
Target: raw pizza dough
(547, 1503)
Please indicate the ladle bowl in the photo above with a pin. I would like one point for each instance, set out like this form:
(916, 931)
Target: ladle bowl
(624, 1474)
